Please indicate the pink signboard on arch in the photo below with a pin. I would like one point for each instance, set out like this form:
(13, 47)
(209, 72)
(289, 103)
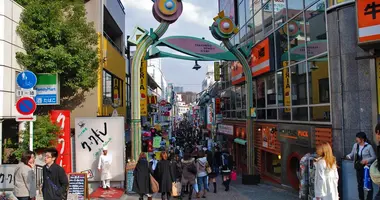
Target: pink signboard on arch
(197, 46)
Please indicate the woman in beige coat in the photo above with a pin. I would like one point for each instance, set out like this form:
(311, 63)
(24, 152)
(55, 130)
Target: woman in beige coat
(24, 178)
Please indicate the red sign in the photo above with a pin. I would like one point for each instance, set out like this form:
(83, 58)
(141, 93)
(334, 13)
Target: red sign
(217, 105)
(163, 102)
(368, 17)
(26, 106)
(237, 73)
(260, 62)
(62, 119)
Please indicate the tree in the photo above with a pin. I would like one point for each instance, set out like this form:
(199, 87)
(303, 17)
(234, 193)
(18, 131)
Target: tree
(45, 135)
(58, 39)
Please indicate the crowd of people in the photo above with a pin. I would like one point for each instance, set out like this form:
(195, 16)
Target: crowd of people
(188, 164)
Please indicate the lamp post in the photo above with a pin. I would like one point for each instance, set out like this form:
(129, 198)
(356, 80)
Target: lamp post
(223, 29)
(166, 12)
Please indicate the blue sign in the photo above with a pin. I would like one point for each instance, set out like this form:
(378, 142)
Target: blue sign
(26, 106)
(46, 99)
(26, 79)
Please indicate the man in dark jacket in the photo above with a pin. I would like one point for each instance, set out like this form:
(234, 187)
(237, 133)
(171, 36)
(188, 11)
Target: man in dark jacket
(55, 181)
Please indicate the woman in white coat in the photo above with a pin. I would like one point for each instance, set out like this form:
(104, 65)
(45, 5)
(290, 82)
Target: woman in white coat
(326, 174)
(104, 167)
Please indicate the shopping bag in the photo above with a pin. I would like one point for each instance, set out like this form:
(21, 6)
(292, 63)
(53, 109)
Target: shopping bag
(176, 189)
(154, 184)
(375, 173)
(195, 186)
(233, 175)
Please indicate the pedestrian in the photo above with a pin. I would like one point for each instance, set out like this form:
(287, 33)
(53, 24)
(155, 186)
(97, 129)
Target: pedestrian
(153, 163)
(202, 174)
(55, 182)
(363, 155)
(25, 178)
(326, 174)
(104, 167)
(189, 172)
(227, 166)
(165, 176)
(141, 178)
(215, 168)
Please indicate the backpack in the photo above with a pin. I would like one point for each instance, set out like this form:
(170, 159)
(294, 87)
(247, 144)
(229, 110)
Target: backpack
(225, 159)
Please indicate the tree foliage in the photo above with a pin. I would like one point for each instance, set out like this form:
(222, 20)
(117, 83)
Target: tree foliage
(58, 39)
(45, 135)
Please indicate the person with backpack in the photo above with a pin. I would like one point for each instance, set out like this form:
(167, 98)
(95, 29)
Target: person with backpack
(363, 155)
(227, 166)
(189, 172)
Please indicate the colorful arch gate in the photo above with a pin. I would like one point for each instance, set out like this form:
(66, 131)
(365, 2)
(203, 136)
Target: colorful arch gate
(167, 12)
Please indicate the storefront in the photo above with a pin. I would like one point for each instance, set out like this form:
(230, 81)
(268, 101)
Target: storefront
(240, 149)
(225, 135)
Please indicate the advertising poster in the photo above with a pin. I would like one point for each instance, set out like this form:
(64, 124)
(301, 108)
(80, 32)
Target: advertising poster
(157, 142)
(91, 135)
(62, 119)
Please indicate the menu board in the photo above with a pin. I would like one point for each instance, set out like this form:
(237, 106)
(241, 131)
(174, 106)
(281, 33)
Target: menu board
(78, 185)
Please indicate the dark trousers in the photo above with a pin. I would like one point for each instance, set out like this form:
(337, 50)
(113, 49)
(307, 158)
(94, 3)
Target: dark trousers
(23, 198)
(168, 195)
(360, 180)
(377, 197)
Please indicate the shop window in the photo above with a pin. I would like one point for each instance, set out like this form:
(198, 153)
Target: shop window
(268, 16)
(294, 7)
(299, 84)
(300, 114)
(112, 89)
(279, 12)
(272, 113)
(320, 113)
(272, 164)
(261, 114)
(271, 89)
(284, 113)
(259, 33)
(282, 47)
(260, 84)
(316, 29)
(318, 72)
(296, 39)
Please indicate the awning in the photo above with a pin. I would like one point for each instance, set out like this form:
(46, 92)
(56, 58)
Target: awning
(240, 141)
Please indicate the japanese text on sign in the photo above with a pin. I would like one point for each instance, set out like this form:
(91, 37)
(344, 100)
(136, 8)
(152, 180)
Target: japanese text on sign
(368, 21)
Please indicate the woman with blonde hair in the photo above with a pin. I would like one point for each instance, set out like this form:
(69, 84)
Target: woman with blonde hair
(326, 174)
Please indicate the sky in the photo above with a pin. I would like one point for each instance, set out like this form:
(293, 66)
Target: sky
(195, 20)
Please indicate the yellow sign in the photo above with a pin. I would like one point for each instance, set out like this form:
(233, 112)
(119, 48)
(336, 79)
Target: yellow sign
(287, 95)
(144, 88)
(216, 71)
(378, 83)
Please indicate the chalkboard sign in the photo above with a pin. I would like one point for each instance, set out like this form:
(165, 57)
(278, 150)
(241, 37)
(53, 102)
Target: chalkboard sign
(78, 185)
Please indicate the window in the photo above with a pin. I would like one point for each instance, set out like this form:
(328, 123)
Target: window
(282, 47)
(296, 39)
(294, 7)
(248, 9)
(268, 16)
(271, 89)
(242, 19)
(319, 89)
(258, 21)
(300, 114)
(260, 84)
(298, 81)
(320, 113)
(316, 29)
(279, 12)
(272, 164)
(112, 89)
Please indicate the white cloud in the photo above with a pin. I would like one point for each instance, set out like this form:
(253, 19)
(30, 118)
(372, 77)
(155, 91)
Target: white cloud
(191, 12)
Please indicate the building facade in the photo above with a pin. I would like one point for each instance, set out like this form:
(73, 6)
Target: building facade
(312, 83)
(109, 20)
(10, 44)
(155, 71)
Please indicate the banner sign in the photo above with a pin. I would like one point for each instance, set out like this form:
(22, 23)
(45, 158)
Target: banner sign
(237, 73)
(94, 133)
(144, 88)
(157, 142)
(368, 21)
(287, 96)
(47, 88)
(62, 119)
(260, 54)
(217, 105)
(216, 71)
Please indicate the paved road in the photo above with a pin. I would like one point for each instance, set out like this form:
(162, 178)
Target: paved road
(240, 192)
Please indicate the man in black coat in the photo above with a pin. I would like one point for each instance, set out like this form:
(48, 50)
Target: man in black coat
(55, 182)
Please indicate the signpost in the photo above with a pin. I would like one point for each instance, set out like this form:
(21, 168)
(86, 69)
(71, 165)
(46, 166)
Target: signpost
(26, 105)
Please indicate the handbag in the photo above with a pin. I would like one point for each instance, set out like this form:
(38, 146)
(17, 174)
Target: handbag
(176, 189)
(375, 173)
(154, 184)
(233, 175)
(208, 169)
(358, 159)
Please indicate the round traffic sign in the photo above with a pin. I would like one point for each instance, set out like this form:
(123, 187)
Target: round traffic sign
(26, 79)
(26, 106)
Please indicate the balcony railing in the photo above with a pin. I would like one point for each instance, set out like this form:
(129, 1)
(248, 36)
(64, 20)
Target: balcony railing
(113, 43)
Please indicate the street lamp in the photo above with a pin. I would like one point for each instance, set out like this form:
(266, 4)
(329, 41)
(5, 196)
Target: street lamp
(196, 66)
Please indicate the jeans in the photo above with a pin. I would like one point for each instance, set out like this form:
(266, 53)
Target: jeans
(202, 182)
(360, 180)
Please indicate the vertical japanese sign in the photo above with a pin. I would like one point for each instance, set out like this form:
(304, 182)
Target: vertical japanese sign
(143, 88)
(62, 119)
(287, 97)
(216, 71)
(368, 18)
(217, 105)
(91, 135)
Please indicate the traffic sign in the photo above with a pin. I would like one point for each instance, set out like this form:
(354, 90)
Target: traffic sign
(28, 93)
(26, 106)
(26, 79)
(26, 118)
